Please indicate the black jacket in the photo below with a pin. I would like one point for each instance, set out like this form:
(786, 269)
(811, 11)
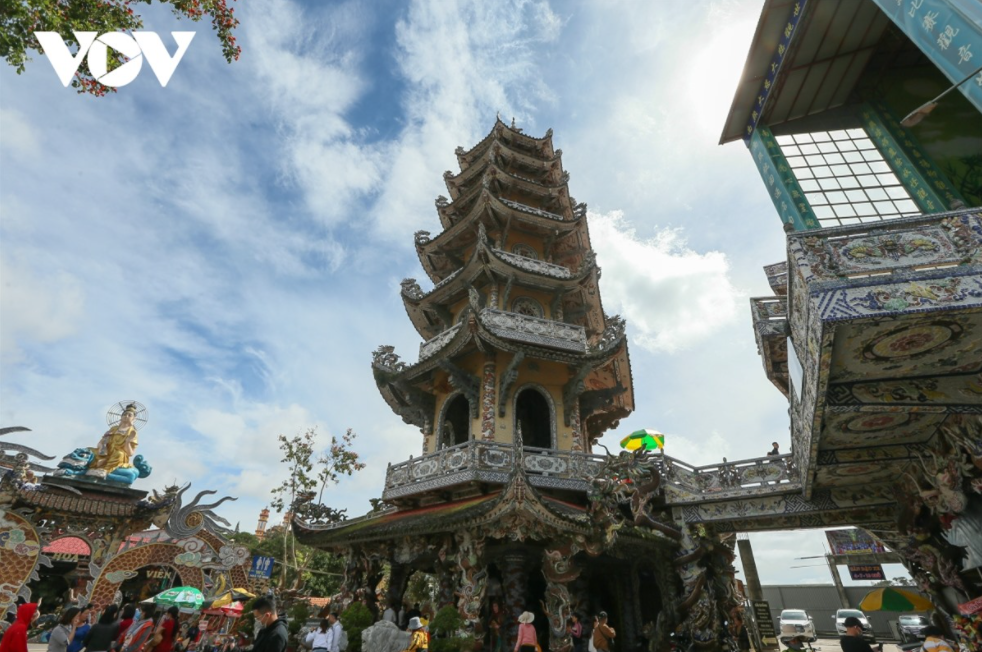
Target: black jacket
(272, 638)
(854, 644)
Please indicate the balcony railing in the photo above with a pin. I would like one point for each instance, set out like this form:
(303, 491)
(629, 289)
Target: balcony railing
(535, 330)
(533, 265)
(489, 462)
(492, 463)
(434, 344)
(862, 250)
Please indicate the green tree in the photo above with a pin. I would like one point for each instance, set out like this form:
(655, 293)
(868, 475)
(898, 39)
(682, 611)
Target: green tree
(20, 19)
(310, 473)
(356, 619)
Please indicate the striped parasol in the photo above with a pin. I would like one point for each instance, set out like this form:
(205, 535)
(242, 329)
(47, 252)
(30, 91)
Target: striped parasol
(646, 439)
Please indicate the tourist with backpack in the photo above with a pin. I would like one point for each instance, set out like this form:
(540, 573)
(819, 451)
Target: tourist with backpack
(140, 633)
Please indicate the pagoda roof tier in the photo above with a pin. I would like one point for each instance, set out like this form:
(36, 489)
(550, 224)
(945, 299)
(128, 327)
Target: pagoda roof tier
(88, 498)
(501, 156)
(407, 388)
(550, 198)
(428, 310)
(519, 505)
(500, 132)
(442, 255)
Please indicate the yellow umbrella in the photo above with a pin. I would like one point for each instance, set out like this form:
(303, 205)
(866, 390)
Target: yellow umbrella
(230, 596)
(890, 599)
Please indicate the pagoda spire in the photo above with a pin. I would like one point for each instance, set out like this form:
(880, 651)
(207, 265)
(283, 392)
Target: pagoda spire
(515, 336)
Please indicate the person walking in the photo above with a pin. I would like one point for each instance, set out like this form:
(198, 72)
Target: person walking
(852, 640)
(167, 630)
(15, 638)
(273, 635)
(390, 614)
(418, 641)
(603, 634)
(403, 618)
(64, 631)
(140, 634)
(494, 626)
(319, 640)
(83, 624)
(575, 629)
(527, 640)
(103, 634)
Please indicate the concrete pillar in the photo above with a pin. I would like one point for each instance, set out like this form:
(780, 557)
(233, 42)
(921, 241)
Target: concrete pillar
(754, 592)
(843, 598)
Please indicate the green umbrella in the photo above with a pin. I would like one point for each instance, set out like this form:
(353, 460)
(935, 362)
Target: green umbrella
(185, 597)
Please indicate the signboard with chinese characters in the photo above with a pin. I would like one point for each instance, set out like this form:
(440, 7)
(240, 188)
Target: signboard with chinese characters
(765, 624)
(871, 572)
(262, 567)
(853, 542)
(943, 32)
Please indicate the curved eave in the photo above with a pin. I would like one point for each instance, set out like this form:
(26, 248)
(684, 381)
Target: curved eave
(483, 260)
(603, 420)
(501, 130)
(500, 151)
(498, 180)
(483, 337)
(517, 497)
(489, 210)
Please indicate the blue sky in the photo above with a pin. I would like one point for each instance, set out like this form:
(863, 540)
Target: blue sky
(228, 249)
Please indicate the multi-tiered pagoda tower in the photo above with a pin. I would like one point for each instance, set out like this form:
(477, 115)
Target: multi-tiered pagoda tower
(519, 370)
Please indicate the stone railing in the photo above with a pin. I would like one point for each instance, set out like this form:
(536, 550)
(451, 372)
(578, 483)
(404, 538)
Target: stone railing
(761, 475)
(535, 330)
(533, 265)
(878, 248)
(491, 462)
(434, 344)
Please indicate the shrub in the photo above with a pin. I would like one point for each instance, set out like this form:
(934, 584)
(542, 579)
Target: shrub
(446, 627)
(356, 619)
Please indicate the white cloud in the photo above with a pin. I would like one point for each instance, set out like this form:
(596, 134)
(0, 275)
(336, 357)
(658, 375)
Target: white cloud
(671, 296)
(38, 306)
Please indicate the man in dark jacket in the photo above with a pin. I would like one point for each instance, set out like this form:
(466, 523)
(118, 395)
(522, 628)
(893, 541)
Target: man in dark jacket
(852, 640)
(273, 636)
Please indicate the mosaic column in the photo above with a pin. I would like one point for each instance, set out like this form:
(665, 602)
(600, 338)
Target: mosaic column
(515, 580)
(488, 400)
(559, 570)
(575, 428)
(472, 581)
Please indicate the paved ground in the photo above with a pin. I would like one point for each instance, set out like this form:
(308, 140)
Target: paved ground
(832, 645)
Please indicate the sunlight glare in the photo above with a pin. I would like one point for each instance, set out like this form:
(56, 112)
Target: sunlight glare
(712, 76)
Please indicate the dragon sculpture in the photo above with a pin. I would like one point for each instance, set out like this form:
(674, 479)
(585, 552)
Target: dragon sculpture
(184, 521)
(625, 493)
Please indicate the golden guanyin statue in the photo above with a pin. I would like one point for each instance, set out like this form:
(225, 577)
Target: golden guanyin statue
(117, 446)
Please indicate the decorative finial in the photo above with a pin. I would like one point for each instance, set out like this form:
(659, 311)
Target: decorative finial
(513, 122)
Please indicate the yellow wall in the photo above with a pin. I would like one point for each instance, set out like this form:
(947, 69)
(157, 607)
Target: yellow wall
(549, 375)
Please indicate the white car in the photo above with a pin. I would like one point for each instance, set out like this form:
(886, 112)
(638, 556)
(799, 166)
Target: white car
(795, 622)
(840, 623)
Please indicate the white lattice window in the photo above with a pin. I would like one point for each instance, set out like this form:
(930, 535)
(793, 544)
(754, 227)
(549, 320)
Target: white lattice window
(845, 178)
(525, 250)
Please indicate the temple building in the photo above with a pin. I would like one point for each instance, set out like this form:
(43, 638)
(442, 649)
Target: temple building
(519, 371)
(863, 119)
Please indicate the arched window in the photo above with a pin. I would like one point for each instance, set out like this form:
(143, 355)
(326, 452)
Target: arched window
(525, 250)
(533, 413)
(527, 306)
(455, 425)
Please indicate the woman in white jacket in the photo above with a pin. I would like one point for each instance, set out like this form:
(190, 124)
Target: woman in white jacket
(320, 639)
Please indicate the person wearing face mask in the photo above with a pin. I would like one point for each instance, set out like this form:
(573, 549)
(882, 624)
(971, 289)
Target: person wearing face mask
(273, 636)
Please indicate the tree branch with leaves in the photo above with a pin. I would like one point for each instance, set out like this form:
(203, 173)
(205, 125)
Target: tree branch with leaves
(20, 19)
